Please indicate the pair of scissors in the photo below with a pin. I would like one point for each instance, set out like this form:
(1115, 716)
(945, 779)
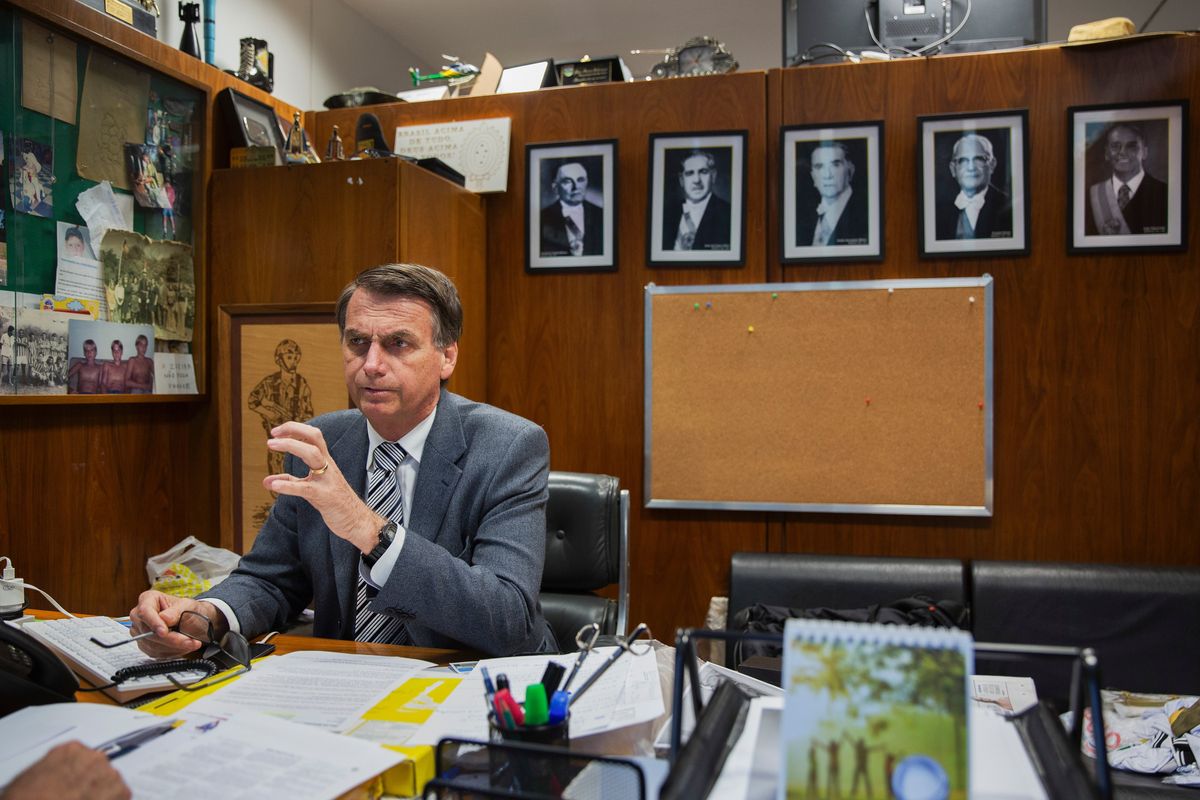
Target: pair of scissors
(625, 644)
(585, 640)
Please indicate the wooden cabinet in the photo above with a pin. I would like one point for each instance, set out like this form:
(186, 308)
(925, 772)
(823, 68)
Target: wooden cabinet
(298, 234)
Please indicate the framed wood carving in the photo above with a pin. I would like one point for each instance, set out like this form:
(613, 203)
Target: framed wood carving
(277, 362)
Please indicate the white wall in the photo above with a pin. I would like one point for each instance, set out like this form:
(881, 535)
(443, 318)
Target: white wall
(1175, 15)
(321, 47)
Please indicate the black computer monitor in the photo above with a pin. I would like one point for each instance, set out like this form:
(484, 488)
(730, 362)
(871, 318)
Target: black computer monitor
(992, 24)
(808, 24)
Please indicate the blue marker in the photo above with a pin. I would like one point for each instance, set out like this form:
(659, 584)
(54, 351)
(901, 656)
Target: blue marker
(558, 707)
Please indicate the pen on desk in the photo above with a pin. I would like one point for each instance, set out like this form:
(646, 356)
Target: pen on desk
(504, 696)
(489, 691)
(115, 748)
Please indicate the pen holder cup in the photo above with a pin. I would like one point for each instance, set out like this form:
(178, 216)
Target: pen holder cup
(528, 771)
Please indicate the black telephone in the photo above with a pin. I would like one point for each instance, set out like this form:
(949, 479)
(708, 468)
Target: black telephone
(30, 673)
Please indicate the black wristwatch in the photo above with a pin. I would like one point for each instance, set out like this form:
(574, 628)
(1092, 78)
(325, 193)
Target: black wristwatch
(386, 534)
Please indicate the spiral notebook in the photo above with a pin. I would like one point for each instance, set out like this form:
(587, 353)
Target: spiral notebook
(874, 711)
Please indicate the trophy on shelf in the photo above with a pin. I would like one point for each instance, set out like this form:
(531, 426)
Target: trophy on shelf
(298, 150)
(189, 15)
(257, 64)
(334, 151)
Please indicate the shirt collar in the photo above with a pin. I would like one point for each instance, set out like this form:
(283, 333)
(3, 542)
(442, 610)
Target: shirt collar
(575, 212)
(696, 210)
(834, 209)
(413, 442)
(1133, 183)
(974, 202)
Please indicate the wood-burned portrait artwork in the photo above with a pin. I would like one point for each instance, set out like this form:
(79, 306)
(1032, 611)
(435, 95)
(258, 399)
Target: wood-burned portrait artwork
(283, 366)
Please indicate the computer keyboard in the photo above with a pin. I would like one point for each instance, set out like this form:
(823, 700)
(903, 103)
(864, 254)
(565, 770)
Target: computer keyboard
(71, 640)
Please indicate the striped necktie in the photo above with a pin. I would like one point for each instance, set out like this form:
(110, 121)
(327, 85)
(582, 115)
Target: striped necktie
(385, 497)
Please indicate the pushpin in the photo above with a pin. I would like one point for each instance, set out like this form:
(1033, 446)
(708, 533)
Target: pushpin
(891, 290)
(981, 405)
(695, 306)
(971, 299)
(774, 295)
(868, 401)
(708, 305)
(750, 329)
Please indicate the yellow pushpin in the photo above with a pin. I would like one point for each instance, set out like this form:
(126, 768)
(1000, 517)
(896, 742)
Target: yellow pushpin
(750, 329)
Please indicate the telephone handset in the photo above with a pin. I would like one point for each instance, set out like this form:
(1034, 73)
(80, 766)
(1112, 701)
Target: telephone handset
(30, 673)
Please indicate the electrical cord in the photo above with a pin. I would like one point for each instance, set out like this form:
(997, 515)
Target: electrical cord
(53, 602)
(1153, 14)
(9, 582)
(808, 56)
(921, 50)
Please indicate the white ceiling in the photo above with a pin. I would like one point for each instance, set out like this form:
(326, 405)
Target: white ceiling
(519, 31)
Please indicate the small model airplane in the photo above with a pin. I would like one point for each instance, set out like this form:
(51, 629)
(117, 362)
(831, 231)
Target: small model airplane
(455, 73)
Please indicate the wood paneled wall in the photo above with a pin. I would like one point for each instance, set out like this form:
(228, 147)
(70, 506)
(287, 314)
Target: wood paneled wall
(1097, 371)
(90, 488)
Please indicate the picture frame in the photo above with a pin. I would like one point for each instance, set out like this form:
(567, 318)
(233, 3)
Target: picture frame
(831, 172)
(261, 382)
(570, 214)
(1150, 138)
(251, 123)
(718, 187)
(963, 157)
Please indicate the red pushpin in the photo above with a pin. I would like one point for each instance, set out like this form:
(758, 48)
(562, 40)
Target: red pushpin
(868, 401)
(981, 405)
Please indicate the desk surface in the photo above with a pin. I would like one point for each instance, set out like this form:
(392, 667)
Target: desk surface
(289, 644)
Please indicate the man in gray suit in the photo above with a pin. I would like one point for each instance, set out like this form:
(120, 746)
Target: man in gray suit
(438, 542)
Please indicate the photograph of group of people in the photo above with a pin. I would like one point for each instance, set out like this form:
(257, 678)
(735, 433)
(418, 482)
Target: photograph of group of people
(109, 358)
(1126, 190)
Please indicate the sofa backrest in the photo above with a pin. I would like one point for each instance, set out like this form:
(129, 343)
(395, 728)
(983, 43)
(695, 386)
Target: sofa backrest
(1140, 620)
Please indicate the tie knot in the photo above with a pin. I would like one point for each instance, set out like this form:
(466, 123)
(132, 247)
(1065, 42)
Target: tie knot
(389, 455)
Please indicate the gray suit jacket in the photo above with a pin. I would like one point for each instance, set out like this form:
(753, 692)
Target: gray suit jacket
(471, 565)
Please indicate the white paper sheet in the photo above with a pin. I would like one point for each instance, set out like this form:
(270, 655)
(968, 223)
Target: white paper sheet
(325, 690)
(253, 756)
(628, 693)
(102, 209)
(1003, 693)
(1000, 767)
(174, 373)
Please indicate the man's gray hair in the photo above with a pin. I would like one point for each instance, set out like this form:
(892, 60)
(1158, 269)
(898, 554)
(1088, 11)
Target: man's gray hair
(983, 141)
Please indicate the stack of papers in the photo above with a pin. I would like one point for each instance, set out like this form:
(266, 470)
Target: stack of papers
(321, 718)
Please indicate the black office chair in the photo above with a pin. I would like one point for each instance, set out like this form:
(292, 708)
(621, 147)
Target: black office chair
(802, 580)
(587, 533)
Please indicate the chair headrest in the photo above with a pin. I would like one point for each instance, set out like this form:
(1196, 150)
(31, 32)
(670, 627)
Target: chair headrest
(582, 532)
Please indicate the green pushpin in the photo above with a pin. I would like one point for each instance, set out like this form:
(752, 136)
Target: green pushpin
(774, 295)
(695, 306)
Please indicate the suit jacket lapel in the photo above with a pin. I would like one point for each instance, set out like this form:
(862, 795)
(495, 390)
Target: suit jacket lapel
(350, 454)
(439, 472)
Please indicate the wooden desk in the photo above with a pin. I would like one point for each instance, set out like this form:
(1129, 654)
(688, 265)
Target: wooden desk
(290, 644)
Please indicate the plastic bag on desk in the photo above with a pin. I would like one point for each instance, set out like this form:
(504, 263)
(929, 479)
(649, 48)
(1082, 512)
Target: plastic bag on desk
(1137, 730)
(190, 567)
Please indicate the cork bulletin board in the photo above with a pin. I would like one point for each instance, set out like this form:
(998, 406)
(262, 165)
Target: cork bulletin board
(857, 397)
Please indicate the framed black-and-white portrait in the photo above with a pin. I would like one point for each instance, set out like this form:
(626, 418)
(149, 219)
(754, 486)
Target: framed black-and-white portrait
(696, 210)
(974, 174)
(1127, 184)
(570, 219)
(831, 192)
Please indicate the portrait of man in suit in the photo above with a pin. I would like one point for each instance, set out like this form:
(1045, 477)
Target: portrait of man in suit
(1128, 200)
(980, 209)
(837, 214)
(696, 218)
(572, 225)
